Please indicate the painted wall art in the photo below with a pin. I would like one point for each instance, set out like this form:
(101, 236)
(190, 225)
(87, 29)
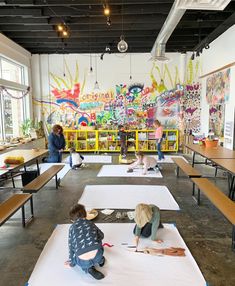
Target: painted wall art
(218, 87)
(136, 105)
(216, 119)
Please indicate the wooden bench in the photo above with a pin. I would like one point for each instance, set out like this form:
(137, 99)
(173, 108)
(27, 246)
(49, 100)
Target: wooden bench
(13, 204)
(39, 182)
(187, 169)
(219, 200)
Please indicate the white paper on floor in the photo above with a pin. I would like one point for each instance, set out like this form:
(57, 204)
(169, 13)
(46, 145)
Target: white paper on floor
(97, 159)
(121, 171)
(122, 267)
(45, 166)
(93, 159)
(127, 197)
(167, 158)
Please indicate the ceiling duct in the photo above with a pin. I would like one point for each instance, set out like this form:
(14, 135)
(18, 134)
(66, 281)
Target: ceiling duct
(176, 13)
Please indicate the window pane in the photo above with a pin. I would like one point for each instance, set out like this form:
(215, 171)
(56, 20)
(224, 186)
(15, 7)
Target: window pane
(13, 113)
(11, 71)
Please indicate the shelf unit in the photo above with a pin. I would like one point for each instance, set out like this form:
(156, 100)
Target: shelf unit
(108, 140)
(81, 140)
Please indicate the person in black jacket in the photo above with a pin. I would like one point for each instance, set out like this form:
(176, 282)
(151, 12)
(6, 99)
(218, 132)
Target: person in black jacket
(85, 243)
(123, 138)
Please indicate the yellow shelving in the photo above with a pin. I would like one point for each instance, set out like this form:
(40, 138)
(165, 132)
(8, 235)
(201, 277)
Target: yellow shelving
(108, 140)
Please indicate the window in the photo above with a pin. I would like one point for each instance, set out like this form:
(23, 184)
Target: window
(13, 103)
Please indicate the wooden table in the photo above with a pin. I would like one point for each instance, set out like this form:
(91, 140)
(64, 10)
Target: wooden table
(29, 157)
(210, 152)
(229, 166)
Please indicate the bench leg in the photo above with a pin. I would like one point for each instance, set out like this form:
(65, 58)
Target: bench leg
(38, 169)
(177, 171)
(13, 182)
(198, 198)
(193, 194)
(193, 159)
(57, 181)
(216, 170)
(23, 216)
(31, 206)
(233, 238)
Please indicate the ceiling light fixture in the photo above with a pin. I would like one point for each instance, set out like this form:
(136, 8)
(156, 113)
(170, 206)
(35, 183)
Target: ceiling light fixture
(106, 10)
(122, 45)
(207, 46)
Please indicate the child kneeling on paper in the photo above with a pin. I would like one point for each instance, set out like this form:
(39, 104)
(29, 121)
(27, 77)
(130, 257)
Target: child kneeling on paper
(85, 243)
(75, 159)
(148, 221)
(148, 162)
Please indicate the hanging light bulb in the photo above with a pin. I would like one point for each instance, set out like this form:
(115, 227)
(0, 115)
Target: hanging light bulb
(60, 28)
(122, 45)
(106, 10)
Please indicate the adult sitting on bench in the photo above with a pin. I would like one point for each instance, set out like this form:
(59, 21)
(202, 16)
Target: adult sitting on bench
(219, 200)
(13, 204)
(39, 182)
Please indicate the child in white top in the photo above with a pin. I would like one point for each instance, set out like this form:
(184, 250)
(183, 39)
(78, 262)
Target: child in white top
(148, 162)
(75, 159)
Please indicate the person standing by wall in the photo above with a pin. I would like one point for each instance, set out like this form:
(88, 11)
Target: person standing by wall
(123, 138)
(56, 144)
(159, 138)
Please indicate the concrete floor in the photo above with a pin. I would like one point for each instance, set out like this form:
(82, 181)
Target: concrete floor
(204, 229)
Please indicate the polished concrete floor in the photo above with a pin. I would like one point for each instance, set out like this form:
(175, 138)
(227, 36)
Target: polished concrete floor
(204, 229)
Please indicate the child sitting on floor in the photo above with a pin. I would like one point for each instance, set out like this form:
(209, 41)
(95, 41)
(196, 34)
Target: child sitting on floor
(85, 243)
(75, 159)
(149, 163)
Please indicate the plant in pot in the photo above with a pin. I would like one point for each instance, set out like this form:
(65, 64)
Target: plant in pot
(26, 127)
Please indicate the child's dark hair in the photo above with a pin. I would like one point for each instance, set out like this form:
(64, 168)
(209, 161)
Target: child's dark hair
(72, 150)
(77, 211)
(120, 126)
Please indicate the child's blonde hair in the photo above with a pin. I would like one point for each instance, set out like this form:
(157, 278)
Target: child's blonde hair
(143, 214)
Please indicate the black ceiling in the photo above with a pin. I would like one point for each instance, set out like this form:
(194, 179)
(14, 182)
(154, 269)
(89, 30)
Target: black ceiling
(31, 23)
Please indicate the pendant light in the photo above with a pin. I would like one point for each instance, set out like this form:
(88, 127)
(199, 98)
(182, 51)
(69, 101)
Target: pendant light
(96, 86)
(91, 69)
(122, 45)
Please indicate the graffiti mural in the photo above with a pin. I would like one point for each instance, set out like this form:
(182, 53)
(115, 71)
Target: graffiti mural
(217, 87)
(136, 105)
(216, 119)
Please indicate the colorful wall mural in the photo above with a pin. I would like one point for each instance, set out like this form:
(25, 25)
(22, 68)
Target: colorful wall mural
(218, 87)
(136, 105)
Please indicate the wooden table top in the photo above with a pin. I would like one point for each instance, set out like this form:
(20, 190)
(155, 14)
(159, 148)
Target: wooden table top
(29, 155)
(212, 152)
(227, 164)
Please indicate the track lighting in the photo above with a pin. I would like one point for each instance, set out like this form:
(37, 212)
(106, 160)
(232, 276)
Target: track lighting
(193, 56)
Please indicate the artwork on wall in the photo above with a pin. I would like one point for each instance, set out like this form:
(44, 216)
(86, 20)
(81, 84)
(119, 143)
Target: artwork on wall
(218, 87)
(216, 119)
(136, 105)
(190, 106)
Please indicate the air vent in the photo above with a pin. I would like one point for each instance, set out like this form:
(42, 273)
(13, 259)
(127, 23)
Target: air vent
(202, 4)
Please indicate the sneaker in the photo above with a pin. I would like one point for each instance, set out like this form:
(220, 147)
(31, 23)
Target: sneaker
(95, 273)
(103, 262)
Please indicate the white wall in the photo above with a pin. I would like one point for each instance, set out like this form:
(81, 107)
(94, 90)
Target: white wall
(220, 53)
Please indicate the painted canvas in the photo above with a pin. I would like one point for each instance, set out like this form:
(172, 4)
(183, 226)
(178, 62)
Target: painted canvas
(216, 119)
(218, 87)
